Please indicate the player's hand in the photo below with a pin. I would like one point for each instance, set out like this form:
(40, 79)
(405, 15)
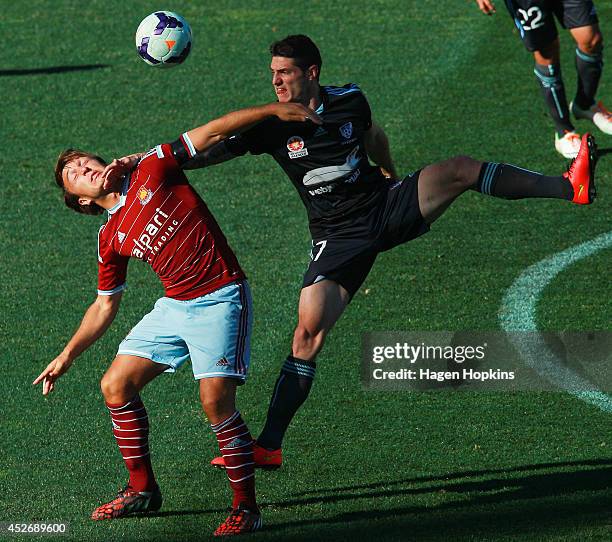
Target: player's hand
(388, 174)
(486, 6)
(293, 112)
(118, 168)
(54, 370)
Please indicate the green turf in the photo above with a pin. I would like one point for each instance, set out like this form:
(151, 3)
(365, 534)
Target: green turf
(443, 80)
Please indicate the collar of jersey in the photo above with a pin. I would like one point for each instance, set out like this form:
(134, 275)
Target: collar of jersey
(122, 197)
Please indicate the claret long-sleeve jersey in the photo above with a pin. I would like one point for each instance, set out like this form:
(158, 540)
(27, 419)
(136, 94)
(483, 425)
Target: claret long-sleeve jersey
(161, 220)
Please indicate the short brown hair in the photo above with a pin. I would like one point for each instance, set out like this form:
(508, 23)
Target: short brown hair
(72, 200)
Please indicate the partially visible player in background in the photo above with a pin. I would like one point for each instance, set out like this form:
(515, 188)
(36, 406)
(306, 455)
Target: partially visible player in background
(535, 20)
(156, 216)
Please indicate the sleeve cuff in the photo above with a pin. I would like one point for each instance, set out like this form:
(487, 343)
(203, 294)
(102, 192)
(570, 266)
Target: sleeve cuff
(113, 291)
(190, 148)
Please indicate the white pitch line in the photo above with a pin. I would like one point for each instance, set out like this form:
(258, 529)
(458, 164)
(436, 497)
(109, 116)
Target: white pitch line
(518, 313)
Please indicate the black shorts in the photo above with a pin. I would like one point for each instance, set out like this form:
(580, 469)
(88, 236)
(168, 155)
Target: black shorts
(347, 256)
(535, 19)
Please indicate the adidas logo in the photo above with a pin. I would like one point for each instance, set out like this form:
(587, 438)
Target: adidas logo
(236, 443)
(222, 362)
(120, 236)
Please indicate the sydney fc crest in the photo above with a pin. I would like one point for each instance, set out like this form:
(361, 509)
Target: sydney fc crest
(346, 130)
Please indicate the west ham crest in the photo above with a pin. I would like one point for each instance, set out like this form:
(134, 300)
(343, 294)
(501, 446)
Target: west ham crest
(144, 195)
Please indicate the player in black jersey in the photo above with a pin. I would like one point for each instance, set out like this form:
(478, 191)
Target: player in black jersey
(535, 20)
(355, 209)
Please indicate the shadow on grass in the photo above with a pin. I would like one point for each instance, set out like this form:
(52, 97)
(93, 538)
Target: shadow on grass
(464, 474)
(531, 503)
(178, 513)
(52, 69)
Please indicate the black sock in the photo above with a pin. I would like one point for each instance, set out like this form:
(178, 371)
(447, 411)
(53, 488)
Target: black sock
(588, 68)
(553, 91)
(511, 182)
(291, 389)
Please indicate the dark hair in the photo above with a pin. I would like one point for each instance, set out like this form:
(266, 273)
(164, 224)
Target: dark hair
(300, 48)
(72, 200)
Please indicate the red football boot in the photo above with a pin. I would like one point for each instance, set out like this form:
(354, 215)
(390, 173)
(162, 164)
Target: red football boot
(240, 521)
(264, 459)
(581, 172)
(129, 502)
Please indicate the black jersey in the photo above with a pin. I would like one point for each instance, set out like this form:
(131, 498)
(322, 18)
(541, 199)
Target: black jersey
(327, 164)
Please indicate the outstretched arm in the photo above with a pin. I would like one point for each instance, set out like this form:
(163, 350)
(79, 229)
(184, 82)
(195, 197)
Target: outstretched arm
(96, 321)
(223, 151)
(219, 129)
(377, 147)
(205, 138)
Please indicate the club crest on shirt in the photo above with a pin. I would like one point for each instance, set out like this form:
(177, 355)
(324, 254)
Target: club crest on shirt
(295, 145)
(144, 195)
(346, 130)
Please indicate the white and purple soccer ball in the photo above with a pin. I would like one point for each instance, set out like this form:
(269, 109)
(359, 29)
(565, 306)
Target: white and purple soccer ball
(163, 39)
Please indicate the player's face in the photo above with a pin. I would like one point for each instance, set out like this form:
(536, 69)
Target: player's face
(83, 177)
(289, 81)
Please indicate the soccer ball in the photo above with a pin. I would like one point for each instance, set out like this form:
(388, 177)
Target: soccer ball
(163, 39)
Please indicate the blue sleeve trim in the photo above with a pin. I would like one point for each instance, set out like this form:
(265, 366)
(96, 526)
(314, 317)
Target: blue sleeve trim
(340, 91)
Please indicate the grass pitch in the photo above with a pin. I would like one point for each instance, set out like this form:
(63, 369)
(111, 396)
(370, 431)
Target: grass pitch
(443, 80)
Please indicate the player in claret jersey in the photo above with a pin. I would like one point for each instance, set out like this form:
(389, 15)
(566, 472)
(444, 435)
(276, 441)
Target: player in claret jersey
(155, 215)
(357, 209)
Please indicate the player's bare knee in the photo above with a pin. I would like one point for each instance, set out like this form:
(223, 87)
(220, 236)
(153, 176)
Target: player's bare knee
(597, 42)
(307, 342)
(218, 398)
(106, 386)
(465, 171)
(210, 405)
(593, 44)
(216, 408)
(548, 54)
(116, 389)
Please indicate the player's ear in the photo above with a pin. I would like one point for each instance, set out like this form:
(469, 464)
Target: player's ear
(312, 73)
(85, 201)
